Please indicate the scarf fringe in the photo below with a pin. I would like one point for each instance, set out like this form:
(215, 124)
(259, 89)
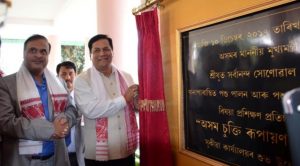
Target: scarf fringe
(151, 105)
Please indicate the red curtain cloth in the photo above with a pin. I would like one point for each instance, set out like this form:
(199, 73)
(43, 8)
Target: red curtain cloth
(155, 149)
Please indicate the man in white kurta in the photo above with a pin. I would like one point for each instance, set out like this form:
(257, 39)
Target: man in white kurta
(104, 96)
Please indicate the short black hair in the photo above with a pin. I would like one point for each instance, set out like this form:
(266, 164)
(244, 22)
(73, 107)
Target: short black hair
(67, 64)
(99, 37)
(36, 37)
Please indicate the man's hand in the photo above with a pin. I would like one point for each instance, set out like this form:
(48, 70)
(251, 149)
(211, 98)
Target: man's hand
(131, 92)
(61, 127)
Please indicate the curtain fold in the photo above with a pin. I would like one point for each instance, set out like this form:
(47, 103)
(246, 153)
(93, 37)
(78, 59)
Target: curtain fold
(155, 149)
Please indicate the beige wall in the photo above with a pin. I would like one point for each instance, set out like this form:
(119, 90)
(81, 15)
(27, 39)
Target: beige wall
(115, 19)
(181, 15)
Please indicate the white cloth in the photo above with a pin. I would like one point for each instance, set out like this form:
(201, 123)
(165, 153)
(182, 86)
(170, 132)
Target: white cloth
(31, 104)
(117, 144)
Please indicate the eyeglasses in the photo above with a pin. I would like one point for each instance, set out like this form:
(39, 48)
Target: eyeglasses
(104, 50)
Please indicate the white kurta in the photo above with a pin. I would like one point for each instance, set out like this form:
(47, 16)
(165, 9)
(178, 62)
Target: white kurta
(112, 108)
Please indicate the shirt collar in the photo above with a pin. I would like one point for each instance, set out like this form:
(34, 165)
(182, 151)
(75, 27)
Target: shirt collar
(114, 70)
(43, 80)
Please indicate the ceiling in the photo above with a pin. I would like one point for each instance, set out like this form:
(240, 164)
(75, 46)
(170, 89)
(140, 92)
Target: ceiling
(35, 11)
(49, 16)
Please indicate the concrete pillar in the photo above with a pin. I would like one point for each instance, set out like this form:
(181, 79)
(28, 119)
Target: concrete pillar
(55, 53)
(116, 20)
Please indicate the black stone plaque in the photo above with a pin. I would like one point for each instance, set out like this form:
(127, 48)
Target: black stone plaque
(234, 76)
